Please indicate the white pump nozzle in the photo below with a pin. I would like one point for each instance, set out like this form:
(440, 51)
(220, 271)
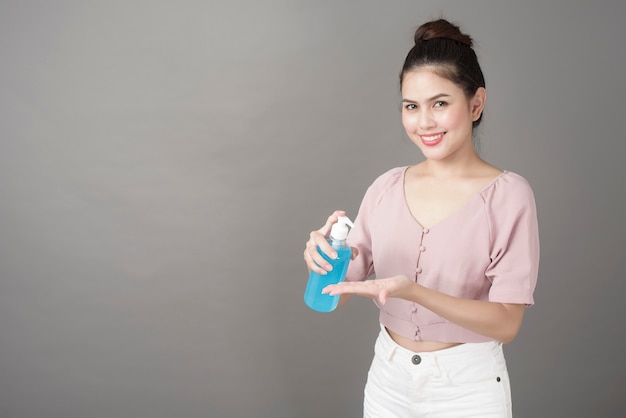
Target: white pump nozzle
(340, 230)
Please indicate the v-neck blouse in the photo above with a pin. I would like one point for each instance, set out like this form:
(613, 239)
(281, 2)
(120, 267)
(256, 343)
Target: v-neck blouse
(486, 250)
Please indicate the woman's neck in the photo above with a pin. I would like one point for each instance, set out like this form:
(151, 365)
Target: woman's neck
(460, 166)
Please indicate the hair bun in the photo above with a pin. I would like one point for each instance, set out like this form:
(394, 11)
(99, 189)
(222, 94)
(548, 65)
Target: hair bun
(441, 29)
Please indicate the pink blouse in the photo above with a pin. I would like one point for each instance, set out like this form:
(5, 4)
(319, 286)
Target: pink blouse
(487, 250)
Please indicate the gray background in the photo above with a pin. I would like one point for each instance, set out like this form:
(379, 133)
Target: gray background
(162, 163)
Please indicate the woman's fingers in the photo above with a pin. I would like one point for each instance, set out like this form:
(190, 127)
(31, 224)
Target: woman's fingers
(319, 237)
(366, 288)
(315, 261)
(380, 289)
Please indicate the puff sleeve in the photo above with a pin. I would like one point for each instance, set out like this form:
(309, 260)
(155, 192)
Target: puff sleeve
(514, 241)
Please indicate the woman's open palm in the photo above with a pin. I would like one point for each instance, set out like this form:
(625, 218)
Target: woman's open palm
(380, 289)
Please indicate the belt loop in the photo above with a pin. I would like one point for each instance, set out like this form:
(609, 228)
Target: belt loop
(496, 347)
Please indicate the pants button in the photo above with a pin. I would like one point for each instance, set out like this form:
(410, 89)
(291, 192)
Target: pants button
(416, 359)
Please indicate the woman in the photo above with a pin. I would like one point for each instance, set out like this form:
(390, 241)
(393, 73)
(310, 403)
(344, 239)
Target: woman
(453, 244)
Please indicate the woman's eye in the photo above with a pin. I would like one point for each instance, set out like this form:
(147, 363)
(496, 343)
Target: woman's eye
(410, 106)
(440, 104)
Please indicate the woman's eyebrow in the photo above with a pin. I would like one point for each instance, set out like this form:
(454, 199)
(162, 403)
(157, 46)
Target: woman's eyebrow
(435, 97)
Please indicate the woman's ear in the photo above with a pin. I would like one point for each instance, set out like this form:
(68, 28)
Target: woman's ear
(477, 103)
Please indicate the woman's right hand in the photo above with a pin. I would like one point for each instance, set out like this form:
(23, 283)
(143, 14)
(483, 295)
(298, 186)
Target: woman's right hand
(319, 238)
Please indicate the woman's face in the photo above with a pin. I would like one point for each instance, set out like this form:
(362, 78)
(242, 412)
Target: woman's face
(437, 114)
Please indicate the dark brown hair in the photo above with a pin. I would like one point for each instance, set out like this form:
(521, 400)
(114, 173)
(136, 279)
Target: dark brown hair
(443, 46)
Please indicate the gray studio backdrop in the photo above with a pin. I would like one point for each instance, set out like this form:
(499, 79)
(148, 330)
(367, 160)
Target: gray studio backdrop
(162, 163)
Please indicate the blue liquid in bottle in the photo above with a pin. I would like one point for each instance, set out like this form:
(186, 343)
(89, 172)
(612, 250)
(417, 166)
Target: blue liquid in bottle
(313, 295)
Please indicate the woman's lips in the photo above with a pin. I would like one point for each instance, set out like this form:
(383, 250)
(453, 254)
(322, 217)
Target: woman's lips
(432, 140)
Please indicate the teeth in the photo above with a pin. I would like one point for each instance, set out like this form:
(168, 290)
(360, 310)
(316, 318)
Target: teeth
(432, 138)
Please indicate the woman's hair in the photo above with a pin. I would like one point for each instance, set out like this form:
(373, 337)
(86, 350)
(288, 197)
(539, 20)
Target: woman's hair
(441, 45)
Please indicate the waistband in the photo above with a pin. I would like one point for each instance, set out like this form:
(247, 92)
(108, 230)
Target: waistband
(391, 350)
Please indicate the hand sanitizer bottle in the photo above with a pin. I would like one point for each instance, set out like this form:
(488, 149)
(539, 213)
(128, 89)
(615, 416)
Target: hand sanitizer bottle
(313, 295)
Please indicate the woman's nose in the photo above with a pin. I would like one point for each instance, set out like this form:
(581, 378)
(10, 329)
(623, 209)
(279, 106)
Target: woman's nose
(426, 120)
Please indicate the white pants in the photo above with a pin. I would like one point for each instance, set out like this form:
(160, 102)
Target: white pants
(468, 380)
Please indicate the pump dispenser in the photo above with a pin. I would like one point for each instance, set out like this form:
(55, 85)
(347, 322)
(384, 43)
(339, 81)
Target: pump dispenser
(313, 295)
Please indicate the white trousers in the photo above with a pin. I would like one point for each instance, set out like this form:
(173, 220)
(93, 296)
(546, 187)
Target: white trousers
(468, 380)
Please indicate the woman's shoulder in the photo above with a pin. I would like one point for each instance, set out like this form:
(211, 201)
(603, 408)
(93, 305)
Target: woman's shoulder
(386, 182)
(510, 180)
(389, 177)
(508, 187)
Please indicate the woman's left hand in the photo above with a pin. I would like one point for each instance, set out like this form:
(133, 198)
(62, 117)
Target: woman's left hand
(381, 289)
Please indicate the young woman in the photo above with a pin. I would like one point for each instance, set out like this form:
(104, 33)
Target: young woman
(453, 244)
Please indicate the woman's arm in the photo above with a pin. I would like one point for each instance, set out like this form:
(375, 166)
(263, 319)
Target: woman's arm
(500, 321)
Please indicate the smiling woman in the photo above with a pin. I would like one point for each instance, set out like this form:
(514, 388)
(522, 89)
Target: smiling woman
(453, 242)
(434, 108)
